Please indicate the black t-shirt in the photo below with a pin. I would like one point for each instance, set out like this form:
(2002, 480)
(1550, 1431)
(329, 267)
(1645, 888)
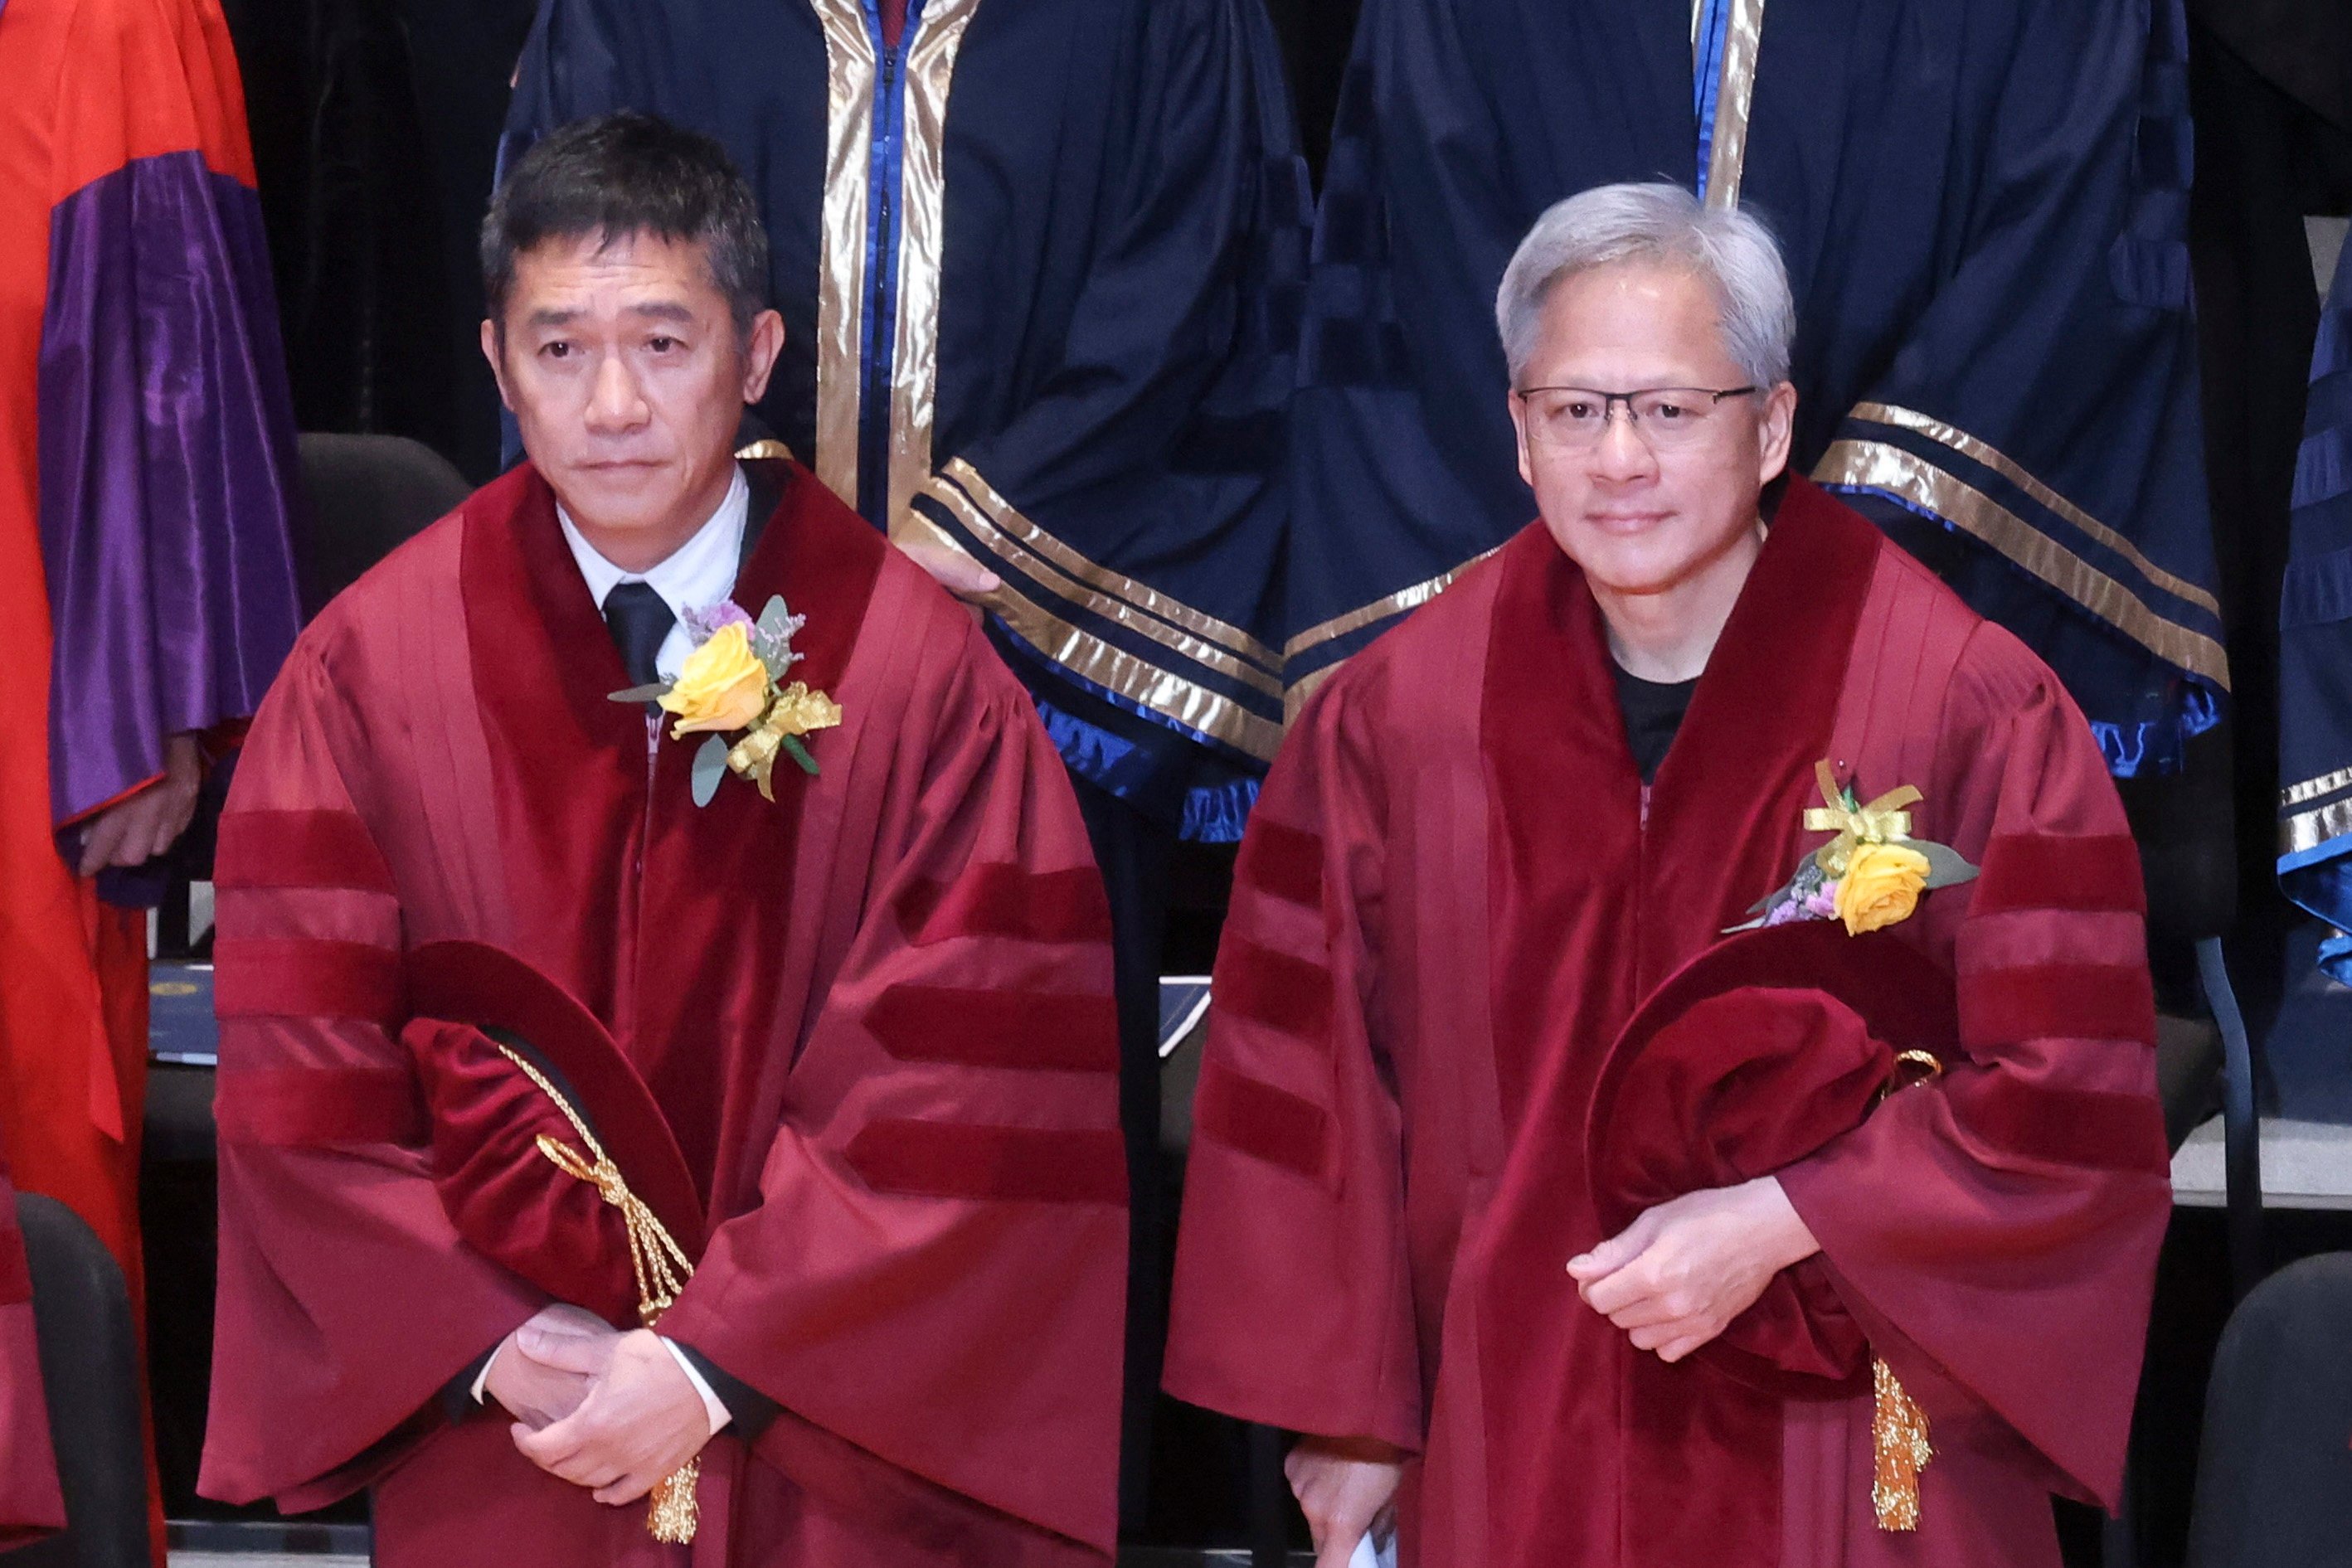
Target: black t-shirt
(1654, 710)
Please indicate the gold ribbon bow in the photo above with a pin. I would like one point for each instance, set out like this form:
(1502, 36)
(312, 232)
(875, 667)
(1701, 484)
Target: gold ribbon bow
(1882, 822)
(662, 1270)
(795, 711)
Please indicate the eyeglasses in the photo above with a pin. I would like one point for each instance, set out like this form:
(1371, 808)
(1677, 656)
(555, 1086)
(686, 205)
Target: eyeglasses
(1668, 418)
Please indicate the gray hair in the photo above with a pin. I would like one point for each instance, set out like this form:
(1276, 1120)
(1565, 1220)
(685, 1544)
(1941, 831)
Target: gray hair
(1658, 226)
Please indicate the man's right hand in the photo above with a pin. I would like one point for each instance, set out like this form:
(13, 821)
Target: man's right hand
(543, 1369)
(1346, 1486)
(953, 570)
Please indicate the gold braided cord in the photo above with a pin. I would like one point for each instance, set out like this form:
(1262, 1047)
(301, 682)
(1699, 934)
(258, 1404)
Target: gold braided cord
(662, 1269)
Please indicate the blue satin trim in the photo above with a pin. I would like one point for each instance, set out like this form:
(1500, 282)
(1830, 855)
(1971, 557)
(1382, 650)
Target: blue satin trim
(1213, 814)
(2154, 745)
(2319, 880)
(879, 311)
(1144, 775)
(2336, 957)
(1707, 77)
(1219, 815)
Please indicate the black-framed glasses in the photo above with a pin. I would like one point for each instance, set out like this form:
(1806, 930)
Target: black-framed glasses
(1665, 417)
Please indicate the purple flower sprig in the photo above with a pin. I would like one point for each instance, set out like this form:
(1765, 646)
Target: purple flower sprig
(703, 621)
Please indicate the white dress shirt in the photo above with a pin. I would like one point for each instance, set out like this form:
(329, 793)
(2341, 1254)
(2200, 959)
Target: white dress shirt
(695, 576)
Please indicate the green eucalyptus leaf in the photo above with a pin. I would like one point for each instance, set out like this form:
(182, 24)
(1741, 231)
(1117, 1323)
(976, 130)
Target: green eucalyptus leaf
(1785, 890)
(710, 768)
(641, 694)
(773, 616)
(1946, 866)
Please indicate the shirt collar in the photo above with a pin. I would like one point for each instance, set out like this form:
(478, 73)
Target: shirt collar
(697, 574)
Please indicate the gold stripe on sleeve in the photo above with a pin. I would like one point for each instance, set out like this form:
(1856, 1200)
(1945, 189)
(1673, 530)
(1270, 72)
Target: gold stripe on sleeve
(1876, 466)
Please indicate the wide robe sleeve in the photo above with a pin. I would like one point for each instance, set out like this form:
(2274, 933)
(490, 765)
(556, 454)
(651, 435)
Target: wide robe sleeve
(165, 430)
(1293, 1302)
(931, 1281)
(30, 1503)
(1129, 499)
(1995, 1232)
(346, 1299)
(2044, 401)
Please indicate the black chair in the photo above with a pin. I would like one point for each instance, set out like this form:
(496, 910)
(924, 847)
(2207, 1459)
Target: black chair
(2274, 1470)
(90, 1366)
(2184, 1076)
(368, 495)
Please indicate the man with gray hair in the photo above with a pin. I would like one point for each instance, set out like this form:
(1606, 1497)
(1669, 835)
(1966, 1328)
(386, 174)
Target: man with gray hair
(1681, 1085)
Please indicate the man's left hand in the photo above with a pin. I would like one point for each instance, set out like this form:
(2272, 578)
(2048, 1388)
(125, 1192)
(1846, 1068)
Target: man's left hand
(1676, 1277)
(136, 830)
(641, 1420)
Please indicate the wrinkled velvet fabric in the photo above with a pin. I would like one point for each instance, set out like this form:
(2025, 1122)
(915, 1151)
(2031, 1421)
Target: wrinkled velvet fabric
(510, 1202)
(874, 1014)
(1453, 899)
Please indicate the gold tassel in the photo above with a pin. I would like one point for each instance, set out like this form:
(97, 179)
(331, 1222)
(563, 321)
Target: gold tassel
(671, 1515)
(1898, 1431)
(661, 1267)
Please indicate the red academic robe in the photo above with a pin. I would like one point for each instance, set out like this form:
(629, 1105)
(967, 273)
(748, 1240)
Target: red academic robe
(1454, 892)
(30, 1504)
(875, 1014)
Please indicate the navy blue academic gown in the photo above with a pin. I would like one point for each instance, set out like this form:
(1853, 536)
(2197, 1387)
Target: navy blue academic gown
(1039, 265)
(2315, 645)
(1983, 204)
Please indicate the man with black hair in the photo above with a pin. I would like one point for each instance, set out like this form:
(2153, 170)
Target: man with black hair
(665, 990)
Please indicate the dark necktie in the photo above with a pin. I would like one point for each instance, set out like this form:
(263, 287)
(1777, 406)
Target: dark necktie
(894, 22)
(639, 619)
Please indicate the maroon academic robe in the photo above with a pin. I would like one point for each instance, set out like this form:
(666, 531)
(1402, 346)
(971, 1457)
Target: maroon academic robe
(1454, 894)
(875, 1012)
(30, 1504)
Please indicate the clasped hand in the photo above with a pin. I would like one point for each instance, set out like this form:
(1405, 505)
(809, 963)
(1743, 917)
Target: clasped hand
(597, 1407)
(1675, 1278)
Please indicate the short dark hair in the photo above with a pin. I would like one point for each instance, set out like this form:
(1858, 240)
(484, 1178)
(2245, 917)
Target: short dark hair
(622, 174)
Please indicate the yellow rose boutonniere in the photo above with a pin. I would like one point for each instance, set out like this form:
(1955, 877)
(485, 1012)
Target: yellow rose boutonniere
(723, 685)
(1881, 885)
(1870, 874)
(733, 681)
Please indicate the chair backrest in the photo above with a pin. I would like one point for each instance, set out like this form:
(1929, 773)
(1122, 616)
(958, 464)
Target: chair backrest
(2275, 1473)
(90, 1366)
(368, 494)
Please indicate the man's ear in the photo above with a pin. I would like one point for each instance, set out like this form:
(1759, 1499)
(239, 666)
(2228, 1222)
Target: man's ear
(1519, 423)
(493, 350)
(761, 348)
(1775, 428)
